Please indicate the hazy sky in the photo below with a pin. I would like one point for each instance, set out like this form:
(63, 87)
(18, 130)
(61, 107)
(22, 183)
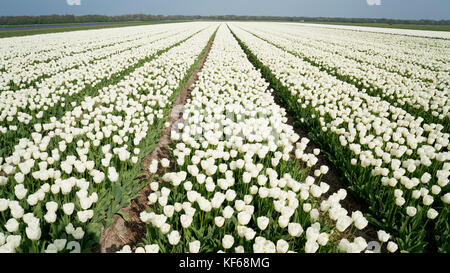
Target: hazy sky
(401, 9)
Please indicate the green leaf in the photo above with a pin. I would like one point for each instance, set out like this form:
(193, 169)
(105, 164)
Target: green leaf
(125, 216)
(94, 228)
(118, 194)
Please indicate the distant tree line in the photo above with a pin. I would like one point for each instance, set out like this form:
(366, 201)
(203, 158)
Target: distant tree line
(70, 18)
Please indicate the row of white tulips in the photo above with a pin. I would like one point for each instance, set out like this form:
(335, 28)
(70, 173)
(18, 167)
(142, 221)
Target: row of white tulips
(417, 58)
(428, 53)
(54, 182)
(88, 74)
(21, 74)
(402, 89)
(35, 49)
(400, 158)
(392, 31)
(35, 106)
(236, 187)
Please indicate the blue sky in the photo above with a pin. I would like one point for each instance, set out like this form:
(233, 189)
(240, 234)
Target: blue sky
(400, 9)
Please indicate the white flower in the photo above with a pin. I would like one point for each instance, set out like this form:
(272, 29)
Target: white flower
(165, 191)
(125, 249)
(282, 246)
(83, 216)
(344, 245)
(227, 241)
(343, 223)
(246, 177)
(241, 230)
(219, 221)
(262, 222)
(416, 194)
(12, 225)
(269, 247)
(315, 190)
(445, 198)
(322, 239)
(432, 213)
(311, 246)
(187, 185)
(283, 221)
(154, 186)
(98, 177)
(262, 179)
(113, 176)
(51, 248)
(162, 200)
(165, 228)
(139, 250)
(51, 206)
(435, 189)
(392, 247)
(426, 177)
(152, 198)
(239, 205)
(174, 237)
(411, 211)
(186, 220)
(361, 223)
(158, 219)
(295, 229)
(383, 236)
(243, 218)
(178, 207)
(78, 233)
(230, 195)
(228, 212)
(153, 167)
(85, 203)
(20, 191)
(249, 234)
(307, 207)
(361, 243)
(399, 201)
(60, 244)
(4, 203)
(169, 210)
(154, 248)
(428, 200)
(254, 189)
(194, 247)
(248, 199)
(165, 162)
(69, 228)
(33, 232)
(309, 180)
(324, 169)
(314, 214)
(239, 249)
(50, 217)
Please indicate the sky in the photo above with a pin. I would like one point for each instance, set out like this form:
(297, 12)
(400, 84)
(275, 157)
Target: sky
(393, 9)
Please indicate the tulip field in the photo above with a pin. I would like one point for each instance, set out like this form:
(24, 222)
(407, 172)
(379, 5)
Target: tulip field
(81, 112)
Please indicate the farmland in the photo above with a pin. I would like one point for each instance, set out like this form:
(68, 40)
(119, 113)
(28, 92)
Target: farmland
(230, 137)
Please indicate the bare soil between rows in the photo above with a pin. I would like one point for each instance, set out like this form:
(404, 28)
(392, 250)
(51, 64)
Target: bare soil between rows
(131, 232)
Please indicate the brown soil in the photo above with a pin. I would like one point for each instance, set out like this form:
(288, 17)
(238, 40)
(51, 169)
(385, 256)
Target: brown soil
(332, 178)
(131, 232)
